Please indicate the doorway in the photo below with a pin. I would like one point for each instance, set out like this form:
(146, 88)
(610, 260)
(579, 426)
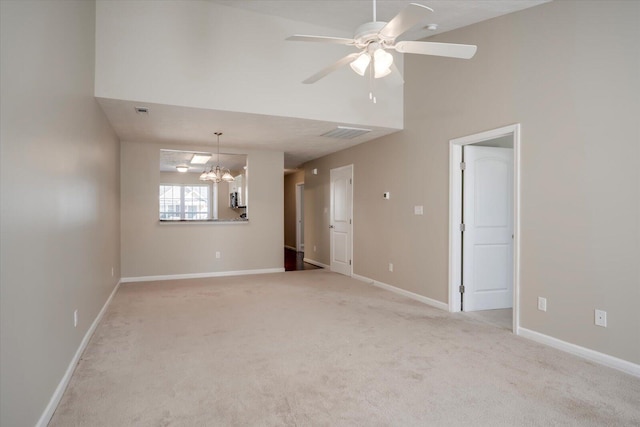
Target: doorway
(484, 222)
(300, 217)
(340, 220)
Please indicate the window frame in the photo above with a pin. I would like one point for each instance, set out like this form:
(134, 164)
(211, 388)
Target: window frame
(182, 214)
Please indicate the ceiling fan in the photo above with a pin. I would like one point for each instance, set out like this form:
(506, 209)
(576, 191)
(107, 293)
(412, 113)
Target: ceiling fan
(373, 39)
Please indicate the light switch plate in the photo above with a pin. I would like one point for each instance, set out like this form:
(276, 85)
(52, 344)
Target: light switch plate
(418, 210)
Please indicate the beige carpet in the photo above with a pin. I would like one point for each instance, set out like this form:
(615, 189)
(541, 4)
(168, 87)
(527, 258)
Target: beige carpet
(316, 348)
(501, 318)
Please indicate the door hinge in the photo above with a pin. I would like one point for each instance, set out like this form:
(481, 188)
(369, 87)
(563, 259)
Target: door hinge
(462, 227)
(463, 165)
(461, 289)
(349, 262)
(350, 180)
(349, 220)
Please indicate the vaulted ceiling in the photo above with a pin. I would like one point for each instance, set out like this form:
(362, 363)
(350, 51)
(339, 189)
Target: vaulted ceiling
(298, 137)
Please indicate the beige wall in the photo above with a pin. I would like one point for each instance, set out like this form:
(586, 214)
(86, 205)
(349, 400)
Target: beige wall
(150, 248)
(569, 73)
(290, 181)
(59, 199)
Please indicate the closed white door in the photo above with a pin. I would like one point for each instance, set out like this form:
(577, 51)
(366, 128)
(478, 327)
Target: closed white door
(487, 239)
(340, 219)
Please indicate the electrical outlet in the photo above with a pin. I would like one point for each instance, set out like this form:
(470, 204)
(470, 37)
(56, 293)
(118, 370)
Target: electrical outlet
(75, 318)
(386, 195)
(314, 248)
(390, 266)
(112, 272)
(542, 304)
(601, 318)
(217, 255)
(418, 210)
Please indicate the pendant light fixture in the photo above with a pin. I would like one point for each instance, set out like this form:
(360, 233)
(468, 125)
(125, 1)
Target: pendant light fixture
(217, 173)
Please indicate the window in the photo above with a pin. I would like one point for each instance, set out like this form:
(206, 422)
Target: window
(184, 201)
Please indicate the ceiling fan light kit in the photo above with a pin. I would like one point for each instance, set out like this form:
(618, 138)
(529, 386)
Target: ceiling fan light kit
(361, 64)
(382, 61)
(373, 39)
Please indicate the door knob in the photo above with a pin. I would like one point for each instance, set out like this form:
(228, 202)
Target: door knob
(331, 226)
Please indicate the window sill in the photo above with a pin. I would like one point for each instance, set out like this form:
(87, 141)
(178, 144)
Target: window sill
(204, 221)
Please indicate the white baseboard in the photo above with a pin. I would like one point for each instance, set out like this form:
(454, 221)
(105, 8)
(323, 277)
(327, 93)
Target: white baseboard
(586, 353)
(200, 275)
(316, 263)
(293, 248)
(425, 300)
(64, 382)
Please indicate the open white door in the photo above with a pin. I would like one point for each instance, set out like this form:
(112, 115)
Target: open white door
(487, 239)
(340, 219)
(300, 217)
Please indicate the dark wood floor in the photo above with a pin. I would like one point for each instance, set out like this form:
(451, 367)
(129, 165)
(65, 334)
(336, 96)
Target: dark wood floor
(294, 261)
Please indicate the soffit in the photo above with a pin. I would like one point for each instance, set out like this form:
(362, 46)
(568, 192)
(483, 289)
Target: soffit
(171, 126)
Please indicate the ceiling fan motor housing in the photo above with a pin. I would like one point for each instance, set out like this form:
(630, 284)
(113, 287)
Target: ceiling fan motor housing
(368, 33)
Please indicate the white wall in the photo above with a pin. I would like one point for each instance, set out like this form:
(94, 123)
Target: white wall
(151, 248)
(569, 72)
(201, 54)
(59, 199)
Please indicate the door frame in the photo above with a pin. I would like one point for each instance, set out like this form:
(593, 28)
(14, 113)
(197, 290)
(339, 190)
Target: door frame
(331, 171)
(299, 216)
(455, 214)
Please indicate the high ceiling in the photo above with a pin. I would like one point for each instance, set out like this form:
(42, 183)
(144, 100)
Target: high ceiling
(347, 15)
(299, 138)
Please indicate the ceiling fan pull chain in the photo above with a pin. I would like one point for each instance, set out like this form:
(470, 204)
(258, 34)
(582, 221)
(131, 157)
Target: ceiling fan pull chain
(372, 82)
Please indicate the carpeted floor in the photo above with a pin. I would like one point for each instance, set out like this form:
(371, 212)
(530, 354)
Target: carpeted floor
(501, 318)
(317, 348)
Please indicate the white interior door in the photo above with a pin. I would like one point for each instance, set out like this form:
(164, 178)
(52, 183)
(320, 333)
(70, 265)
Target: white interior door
(340, 219)
(487, 239)
(300, 217)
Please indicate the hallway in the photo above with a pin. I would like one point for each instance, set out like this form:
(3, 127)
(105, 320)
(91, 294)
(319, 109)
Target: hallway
(294, 261)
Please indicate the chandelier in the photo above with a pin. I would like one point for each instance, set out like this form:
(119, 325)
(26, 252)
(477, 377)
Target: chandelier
(217, 173)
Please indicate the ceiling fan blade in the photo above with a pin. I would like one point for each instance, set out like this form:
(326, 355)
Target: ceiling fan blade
(451, 50)
(403, 21)
(320, 39)
(331, 68)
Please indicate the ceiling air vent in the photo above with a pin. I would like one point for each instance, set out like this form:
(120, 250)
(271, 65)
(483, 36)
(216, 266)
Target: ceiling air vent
(344, 132)
(142, 110)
